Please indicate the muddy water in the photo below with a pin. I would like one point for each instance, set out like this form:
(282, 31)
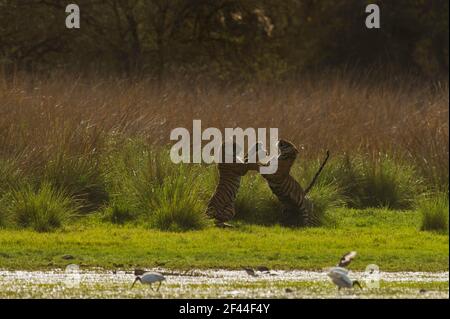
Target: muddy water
(73, 283)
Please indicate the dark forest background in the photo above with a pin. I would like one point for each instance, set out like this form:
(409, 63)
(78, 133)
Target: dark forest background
(224, 40)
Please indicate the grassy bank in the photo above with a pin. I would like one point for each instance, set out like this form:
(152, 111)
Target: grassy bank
(390, 239)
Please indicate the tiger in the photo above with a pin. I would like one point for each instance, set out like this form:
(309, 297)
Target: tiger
(221, 205)
(291, 195)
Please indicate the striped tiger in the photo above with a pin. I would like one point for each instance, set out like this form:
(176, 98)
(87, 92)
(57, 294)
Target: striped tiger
(288, 191)
(221, 205)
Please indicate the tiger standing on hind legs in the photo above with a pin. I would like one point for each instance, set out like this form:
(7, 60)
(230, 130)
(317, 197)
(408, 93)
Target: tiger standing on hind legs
(288, 191)
(221, 205)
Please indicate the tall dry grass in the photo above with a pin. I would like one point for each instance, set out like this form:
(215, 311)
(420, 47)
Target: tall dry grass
(74, 135)
(44, 119)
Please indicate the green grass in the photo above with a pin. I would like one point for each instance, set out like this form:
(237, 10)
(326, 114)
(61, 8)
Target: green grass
(367, 181)
(145, 186)
(255, 202)
(435, 211)
(391, 239)
(131, 182)
(43, 209)
(80, 176)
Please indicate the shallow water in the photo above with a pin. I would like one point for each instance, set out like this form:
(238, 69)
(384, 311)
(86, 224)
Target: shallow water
(74, 283)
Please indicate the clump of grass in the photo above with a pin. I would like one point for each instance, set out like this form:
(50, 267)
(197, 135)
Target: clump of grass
(435, 212)
(255, 202)
(151, 188)
(389, 183)
(363, 181)
(172, 196)
(325, 197)
(175, 206)
(118, 213)
(80, 176)
(43, 210)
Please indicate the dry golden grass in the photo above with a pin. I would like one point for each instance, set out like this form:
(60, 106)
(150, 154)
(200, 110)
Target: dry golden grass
(343, 113)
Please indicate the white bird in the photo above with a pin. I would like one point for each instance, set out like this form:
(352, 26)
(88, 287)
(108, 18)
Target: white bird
(339, 274)
(149, 278)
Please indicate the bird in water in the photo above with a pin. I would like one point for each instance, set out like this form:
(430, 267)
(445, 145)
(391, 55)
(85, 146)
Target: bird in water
(263, 269)
(250, 271)
(149, 278)
(339, 274)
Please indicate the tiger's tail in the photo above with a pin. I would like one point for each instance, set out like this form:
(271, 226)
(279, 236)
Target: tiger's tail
(318, 173)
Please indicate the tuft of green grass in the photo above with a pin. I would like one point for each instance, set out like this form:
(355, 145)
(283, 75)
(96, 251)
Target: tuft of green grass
(79, 176)
(174, 203)
(255, 202)
(178, 209)
(118, 213)
(369, 181)
(325, 198)
(389, 183)
(150, 188)
(43, 210)
(435, 212)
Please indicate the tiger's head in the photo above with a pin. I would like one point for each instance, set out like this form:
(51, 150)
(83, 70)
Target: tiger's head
(287, 150)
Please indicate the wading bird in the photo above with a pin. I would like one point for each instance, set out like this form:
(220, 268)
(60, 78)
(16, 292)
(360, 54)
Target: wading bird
(263, 269)
(149, 278)
(339, 274)
(250, 271)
